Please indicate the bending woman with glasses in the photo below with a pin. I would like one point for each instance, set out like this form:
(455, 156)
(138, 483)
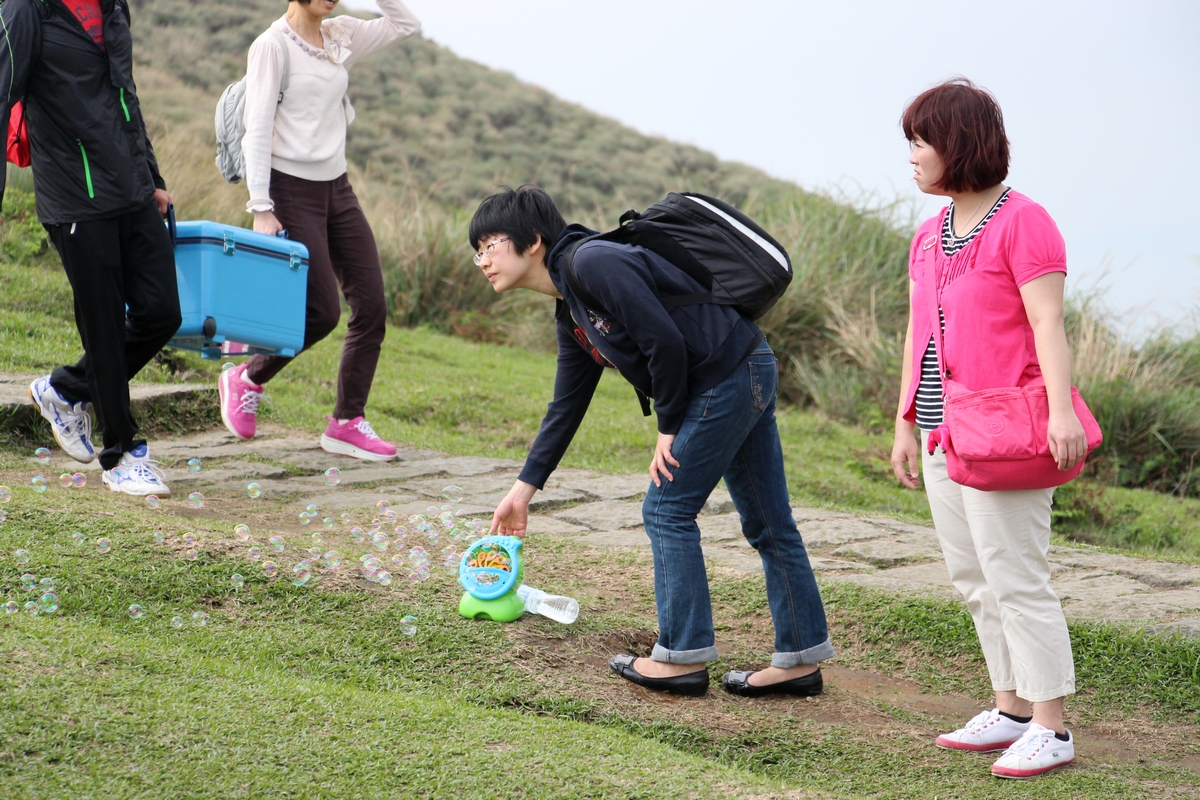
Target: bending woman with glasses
(295, 149)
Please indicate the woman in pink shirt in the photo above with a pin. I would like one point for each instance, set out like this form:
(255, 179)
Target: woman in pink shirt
(1000, 266)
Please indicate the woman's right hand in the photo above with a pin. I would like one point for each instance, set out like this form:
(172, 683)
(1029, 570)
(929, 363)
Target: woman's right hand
(906, 459)
(266, 222)
(512, 515)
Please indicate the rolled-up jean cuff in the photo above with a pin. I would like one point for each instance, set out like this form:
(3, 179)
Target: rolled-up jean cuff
(813, 655)
(701, 656)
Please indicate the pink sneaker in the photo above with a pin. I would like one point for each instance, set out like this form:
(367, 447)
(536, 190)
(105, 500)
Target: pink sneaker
(239, 402)
(356, 438)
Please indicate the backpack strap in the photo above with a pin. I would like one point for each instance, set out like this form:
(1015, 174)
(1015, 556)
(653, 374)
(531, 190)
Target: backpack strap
(286, 77)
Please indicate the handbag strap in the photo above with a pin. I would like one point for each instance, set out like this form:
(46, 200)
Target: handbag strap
(933, 298)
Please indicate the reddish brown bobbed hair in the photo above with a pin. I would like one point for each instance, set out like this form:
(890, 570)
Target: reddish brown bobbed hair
(964, 124)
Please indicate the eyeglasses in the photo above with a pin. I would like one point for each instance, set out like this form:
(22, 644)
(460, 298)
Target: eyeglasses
(489, 250)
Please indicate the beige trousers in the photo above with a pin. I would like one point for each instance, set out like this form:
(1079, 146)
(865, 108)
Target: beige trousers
(995, 544)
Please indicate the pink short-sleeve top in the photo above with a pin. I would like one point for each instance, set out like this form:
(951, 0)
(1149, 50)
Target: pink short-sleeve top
(988, 339)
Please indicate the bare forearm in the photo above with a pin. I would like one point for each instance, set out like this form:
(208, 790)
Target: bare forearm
(1054, 356)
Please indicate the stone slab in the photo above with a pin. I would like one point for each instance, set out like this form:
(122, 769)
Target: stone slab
(473, 487)
(1187, 628)
(1143, 607)
(803, 514)
(719, 502)
(1156, 574)
(623, 538)
(825, 534)
(720, 528)
(1093, 585)
(737, 560)
(539, 523)
(544, 501)
(602, 487)
(890, 551)
(822, 565)
(607, 515)
(929, 579)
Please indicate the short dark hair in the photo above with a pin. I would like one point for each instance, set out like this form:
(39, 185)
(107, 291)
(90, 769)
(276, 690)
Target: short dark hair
(520, 214)
(964, 124)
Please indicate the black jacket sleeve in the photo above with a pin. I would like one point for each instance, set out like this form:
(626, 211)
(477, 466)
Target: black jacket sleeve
(621, 280)
(20, 44)
(574, 384)
(151, 159)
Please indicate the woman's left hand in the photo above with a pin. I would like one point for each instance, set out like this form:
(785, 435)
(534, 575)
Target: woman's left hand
(662, 457)
(1068, 442)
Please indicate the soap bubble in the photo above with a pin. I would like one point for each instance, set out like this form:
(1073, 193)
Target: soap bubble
(49, 603)
(390, 515)
(196, 500)
(42, 455)
(193, 465)
(189, 538)
(192, 555)
(316, 537)
(136, 611)
(333, 476)
(79, 480)
(46, 584)
(375, 523)
(237, 580)
(65, 480)
(432, 512)
(22, 556)
(416, 520)
(382, 505)
(371, 566)
(301, 573)
(401, 533)
(176, 622)
(305, 518)
(453, 493)
(270, 568)
(358, 535)
(159, 537)
(447, 520)
(103, 545)
(423, 572)
(152, 501)
(200, 618)
(345, 514)
(227, 365)
(78, 538)
(11, 607)
(332, 559)
(412, 576)
(276, 543)
(328, 523)
(311, 508)
(32, 608)
(5, 494)
(242, 532)
(254, 553)
(448, 551)
(379, 541)
(28, 581)
(314, 552)
(254, 489)
(38, 483)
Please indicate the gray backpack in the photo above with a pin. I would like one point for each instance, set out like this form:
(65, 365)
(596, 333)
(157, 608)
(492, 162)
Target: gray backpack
(231, 120)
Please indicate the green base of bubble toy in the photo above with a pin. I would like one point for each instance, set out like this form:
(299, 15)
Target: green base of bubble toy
(508, 608)
(490, 571)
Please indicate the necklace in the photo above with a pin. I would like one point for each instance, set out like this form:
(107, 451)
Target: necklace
(973, 213)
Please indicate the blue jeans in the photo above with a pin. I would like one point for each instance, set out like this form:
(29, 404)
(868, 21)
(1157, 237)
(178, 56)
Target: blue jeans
(730, 432)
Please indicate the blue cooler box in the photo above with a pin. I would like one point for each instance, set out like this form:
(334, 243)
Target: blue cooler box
(240, 286)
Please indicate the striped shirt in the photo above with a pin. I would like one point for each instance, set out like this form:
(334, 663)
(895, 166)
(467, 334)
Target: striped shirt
(929, 390)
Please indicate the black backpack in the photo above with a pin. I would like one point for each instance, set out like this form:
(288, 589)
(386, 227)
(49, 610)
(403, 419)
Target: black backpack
(726, 252)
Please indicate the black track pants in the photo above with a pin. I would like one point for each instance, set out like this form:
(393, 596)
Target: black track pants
(112, 264)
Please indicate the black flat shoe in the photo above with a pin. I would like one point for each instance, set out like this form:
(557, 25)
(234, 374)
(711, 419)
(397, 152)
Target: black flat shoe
(692, 684)
(738, 682)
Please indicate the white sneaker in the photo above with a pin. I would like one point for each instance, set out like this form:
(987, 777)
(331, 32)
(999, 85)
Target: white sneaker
(136, 474)
(1035, 753)
(71, 423)
(987, 731)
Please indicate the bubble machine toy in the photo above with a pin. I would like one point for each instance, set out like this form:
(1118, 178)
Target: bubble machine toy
(490, 571)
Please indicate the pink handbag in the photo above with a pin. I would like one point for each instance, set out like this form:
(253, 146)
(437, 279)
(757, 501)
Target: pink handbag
(995, 439)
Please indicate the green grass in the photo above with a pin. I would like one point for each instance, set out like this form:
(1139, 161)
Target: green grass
(312, 692)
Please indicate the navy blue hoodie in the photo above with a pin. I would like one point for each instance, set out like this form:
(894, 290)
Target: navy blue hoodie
(668, 354)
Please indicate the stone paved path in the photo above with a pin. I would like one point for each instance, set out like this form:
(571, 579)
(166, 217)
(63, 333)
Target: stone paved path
(604, 510)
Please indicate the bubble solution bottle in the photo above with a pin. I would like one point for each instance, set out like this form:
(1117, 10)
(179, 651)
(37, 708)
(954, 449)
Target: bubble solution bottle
(555, 607)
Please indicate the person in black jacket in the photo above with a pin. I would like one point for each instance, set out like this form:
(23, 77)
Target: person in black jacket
(713, 380)
(102, 202)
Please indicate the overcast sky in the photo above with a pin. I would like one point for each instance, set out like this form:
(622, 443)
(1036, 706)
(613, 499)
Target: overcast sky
(1101, 101)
